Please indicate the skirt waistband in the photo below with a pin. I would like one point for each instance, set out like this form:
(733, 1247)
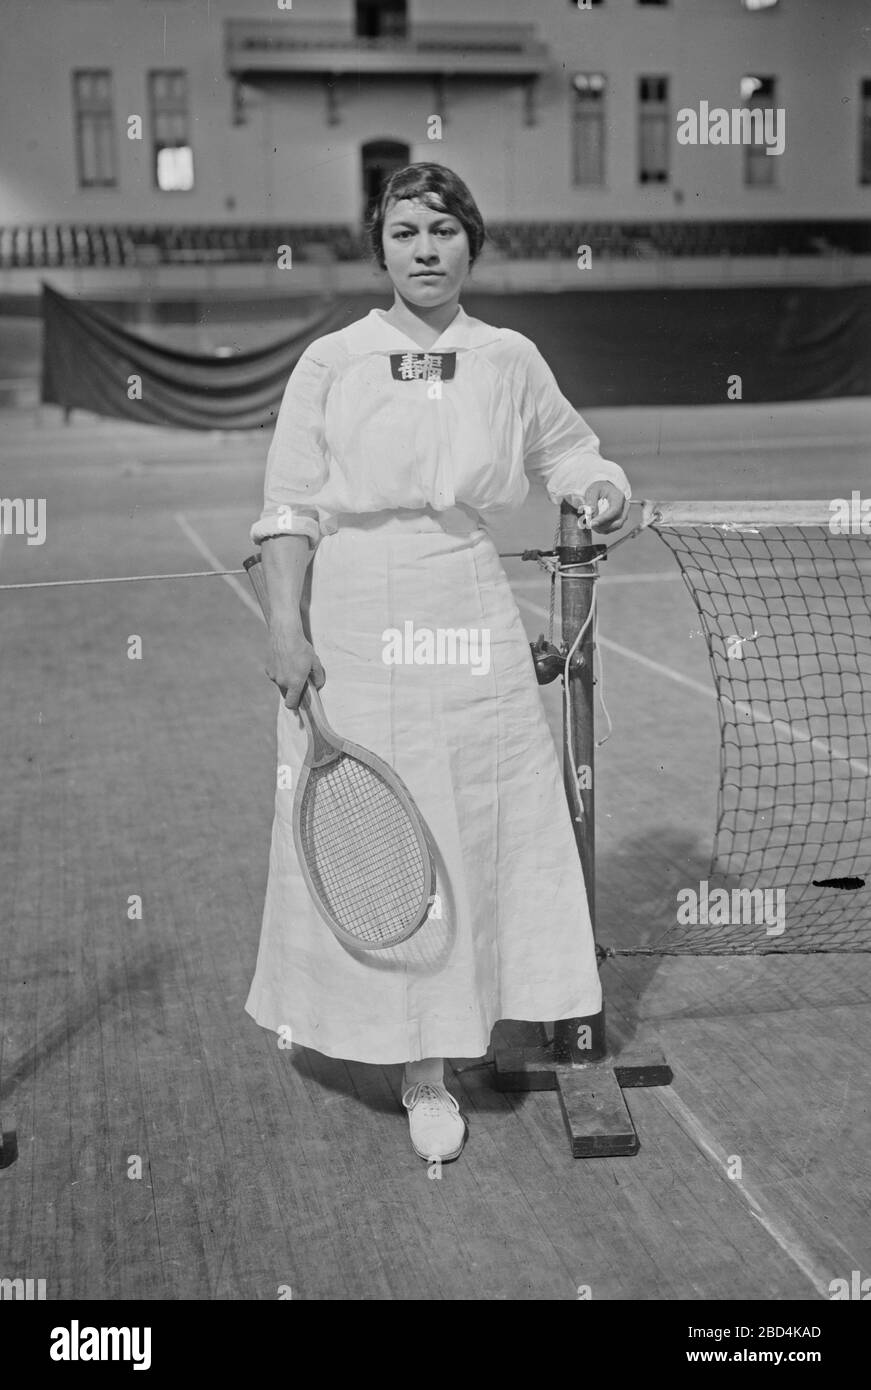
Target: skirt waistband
(458, 520)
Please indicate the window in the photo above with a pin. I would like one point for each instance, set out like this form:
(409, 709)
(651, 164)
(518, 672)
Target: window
(173, 158)
(865, 131)
(95, 128)
(653, 130)
(759, 96)
(382, 19)
(588, 129)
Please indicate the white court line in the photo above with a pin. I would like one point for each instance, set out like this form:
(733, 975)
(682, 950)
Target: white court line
(211, 559)
(783, 1234)
(753, 712)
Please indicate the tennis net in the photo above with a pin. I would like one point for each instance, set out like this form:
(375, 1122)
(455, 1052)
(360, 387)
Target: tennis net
(784, 597)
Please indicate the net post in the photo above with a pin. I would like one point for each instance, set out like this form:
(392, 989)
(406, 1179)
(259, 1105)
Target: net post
(575, 1061)
(580, 1040)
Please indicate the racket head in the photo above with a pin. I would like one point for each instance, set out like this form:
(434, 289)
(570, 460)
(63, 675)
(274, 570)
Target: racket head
(364, 850)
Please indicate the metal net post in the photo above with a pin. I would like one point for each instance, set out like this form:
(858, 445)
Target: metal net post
(580, 1040)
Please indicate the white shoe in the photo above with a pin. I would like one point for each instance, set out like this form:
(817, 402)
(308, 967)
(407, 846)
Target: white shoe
(438, 1130)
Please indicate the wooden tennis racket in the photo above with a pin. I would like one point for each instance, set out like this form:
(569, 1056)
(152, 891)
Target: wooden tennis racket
(363, 847)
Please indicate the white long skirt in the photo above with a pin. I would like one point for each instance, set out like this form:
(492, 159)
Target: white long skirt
(514, 939)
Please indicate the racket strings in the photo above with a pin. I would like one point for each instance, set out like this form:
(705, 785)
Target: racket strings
(362, 851)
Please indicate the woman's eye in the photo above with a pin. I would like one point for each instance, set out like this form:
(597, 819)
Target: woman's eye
(440, 231)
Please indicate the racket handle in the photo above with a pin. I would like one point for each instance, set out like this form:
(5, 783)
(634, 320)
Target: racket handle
(324, 745)
(310, 701)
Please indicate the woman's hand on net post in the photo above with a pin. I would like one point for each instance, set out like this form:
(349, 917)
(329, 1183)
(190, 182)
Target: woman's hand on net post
(291, 660)
(604, 505)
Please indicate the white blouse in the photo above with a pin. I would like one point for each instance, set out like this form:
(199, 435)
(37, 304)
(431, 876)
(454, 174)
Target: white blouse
(359, 432)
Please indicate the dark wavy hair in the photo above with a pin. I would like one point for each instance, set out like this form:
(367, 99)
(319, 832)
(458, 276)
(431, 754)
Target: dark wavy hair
(441, 189)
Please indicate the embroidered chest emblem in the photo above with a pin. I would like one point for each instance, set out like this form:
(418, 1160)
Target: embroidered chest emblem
(423, 366)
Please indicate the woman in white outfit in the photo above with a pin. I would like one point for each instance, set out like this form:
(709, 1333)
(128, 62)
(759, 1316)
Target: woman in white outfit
(398, 441)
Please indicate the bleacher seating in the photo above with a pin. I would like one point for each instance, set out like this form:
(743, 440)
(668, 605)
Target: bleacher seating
(65, 245)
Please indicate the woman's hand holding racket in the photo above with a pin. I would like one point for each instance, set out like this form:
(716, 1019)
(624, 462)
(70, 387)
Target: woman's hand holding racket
(292, 659)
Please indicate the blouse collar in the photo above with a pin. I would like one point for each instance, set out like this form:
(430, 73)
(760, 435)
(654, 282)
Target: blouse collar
(374, 334)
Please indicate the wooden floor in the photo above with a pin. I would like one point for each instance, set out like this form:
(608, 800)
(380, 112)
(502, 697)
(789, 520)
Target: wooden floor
(261, 1168)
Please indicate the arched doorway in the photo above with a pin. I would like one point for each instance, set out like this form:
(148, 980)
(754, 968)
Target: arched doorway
(380, 158)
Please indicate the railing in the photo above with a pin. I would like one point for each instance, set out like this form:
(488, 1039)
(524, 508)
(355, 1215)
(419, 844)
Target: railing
(74, 245)
(290, 35)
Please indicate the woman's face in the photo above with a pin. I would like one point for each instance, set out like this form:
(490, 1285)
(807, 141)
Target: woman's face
(426, 252)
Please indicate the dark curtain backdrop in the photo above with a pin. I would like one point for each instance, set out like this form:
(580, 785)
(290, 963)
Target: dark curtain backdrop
(87, 358)
(679, 346)
(606, 347)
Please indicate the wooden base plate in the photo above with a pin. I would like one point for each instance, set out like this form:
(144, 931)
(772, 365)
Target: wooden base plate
(591, 1094)
(596, 1115)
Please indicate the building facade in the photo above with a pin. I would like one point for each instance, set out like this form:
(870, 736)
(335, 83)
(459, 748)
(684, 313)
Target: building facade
(244, 111)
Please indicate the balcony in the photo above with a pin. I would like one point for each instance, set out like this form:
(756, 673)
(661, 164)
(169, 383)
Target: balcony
(275, 48)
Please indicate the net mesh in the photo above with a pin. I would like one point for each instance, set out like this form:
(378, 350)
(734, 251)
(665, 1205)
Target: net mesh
(794, 700)
(362, 852)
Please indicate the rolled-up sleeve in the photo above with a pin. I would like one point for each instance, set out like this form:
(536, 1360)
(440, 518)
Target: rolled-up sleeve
(560, 449)
(297, 464)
